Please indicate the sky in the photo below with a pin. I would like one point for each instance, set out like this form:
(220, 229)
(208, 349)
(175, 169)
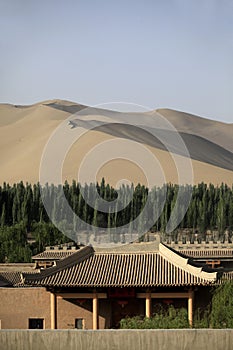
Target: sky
(156, 53)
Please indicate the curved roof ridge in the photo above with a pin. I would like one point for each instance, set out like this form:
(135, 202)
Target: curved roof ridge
(64, 263)
(127, 253)
(183, 263)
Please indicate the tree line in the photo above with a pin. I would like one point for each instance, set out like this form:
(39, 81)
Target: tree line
(22, 211)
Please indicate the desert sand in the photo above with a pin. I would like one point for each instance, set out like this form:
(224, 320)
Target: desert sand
(25, 130)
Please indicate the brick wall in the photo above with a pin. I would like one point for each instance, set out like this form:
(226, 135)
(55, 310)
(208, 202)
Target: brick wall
(17, 305)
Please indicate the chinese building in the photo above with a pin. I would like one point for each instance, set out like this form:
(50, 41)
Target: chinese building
(92, 288)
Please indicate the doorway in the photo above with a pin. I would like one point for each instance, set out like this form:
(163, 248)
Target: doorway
(122, 308)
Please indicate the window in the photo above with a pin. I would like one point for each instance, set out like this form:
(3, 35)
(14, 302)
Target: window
(36, 323)
(79, 323)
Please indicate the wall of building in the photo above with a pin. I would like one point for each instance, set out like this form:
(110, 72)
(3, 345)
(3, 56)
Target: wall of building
(18, 305)
(71, 309)
(195, 339)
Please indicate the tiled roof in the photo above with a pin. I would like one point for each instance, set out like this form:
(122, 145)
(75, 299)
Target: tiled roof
(207, 253)
(204, 249)
(53, 254)
(11, 274)
(122, 268)
(10, 279)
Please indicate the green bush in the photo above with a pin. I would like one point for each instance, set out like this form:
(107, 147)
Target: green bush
(202, 318)
(172, 318)
(217, 315)
(221, 315)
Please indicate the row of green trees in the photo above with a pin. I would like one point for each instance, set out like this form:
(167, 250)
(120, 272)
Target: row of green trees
(219, 314)
(22, 211)
(210, 207)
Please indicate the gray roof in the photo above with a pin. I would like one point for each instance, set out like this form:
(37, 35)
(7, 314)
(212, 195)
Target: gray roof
(204, 250)
(138, 265)
(207, 253)
(11, 274)
(53, 255)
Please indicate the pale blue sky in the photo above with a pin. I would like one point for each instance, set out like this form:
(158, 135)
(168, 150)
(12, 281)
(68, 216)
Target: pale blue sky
(165, 53)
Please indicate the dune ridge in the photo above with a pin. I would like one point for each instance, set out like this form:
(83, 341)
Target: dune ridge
(24, 131)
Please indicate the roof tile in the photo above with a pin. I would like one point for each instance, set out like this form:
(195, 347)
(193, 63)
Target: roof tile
(89, 268)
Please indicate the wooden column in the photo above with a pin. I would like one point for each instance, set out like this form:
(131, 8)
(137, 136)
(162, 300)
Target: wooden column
(95, 310)
(148, 304)
(53, 311)
(190, 307)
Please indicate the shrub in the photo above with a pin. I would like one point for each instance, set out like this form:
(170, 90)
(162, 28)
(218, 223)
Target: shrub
(221, 315)
(172, 318)
(202, 318)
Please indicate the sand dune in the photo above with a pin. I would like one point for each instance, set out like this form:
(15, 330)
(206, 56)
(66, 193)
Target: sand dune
(24, 131)
(212, 130)
(199, 148)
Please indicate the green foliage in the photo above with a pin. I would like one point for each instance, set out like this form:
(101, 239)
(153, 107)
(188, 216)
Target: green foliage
(169, 319)
(210, 207)
(21, 204)
(202, 318)
(13, 244)
(221, 315)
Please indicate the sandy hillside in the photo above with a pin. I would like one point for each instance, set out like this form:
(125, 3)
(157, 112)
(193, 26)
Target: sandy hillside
(24, 131)
(212, 130)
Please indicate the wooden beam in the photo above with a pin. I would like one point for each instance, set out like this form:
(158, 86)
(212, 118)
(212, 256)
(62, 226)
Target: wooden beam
(148, 304)
(81, 295)
(53, 311)
(95, 311)
(164, 295)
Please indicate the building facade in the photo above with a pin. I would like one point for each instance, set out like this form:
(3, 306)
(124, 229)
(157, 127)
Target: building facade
(95, 288)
